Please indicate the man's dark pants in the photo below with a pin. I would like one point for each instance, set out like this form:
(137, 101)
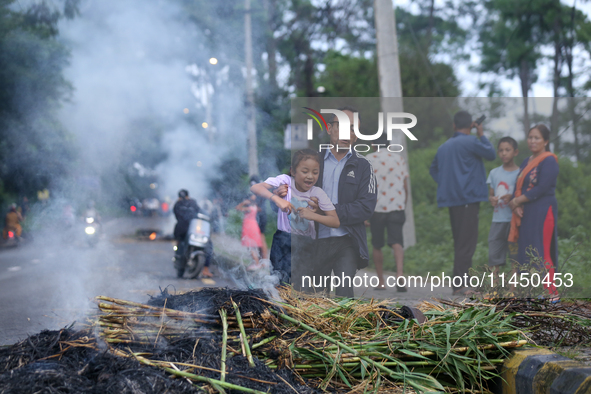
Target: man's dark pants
(338, 254)
(464, 228)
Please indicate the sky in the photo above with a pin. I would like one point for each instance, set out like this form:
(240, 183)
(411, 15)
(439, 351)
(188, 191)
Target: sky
(469, 79)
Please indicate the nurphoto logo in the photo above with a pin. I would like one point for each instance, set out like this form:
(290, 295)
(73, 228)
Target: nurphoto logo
(345, 128)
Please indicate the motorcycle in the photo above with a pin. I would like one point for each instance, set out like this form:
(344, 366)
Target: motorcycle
(91, 229)
(197, 248)
(11, 238)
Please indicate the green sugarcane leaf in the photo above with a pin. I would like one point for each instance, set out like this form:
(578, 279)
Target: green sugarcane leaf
(377, 383)
(344, 378)
(413, 354)
(448, 335)
(364, 367)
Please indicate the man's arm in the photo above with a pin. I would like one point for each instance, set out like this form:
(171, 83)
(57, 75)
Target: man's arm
(434, 170)
(362, 208)
(482, 146)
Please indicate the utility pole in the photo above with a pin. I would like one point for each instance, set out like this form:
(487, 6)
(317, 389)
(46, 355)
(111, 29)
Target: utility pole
(253, 162)
(390, 86)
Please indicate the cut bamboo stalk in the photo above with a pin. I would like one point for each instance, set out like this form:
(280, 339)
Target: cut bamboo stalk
(264, 342)
(224, 343)
(243, 333)
(432, 381)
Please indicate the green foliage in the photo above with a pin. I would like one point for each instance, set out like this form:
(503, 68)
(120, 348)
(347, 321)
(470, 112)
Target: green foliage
(33, 145)
(337, 76)
(354, 76)
(574, 258)
(230, 182)
(572, 192)
(424, 189)
(432, 30)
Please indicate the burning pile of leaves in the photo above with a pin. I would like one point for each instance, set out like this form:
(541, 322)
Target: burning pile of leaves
(222, 340)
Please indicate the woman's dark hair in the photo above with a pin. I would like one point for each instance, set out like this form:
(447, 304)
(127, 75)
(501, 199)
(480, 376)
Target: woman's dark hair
(301, 155)
(545, 131)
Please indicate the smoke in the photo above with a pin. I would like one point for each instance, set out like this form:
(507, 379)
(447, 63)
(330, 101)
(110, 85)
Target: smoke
(144, 86)
(136, 101)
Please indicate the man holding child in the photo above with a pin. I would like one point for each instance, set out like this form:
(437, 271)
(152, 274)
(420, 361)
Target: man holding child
(347, 178)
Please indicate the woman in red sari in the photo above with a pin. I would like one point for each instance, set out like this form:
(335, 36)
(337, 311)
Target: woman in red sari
(534, 207)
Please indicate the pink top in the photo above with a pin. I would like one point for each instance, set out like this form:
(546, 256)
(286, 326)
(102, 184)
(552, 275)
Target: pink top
(251, 233)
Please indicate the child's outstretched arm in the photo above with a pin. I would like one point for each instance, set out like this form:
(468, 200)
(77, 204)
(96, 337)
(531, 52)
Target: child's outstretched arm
(264, 190)
(243, 206)
(329, 219)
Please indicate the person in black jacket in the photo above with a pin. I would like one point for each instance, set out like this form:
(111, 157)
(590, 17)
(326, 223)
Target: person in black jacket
(186, 209)
(347, 178)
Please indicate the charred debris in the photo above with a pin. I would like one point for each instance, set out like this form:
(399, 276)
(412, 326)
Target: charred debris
(232, 341)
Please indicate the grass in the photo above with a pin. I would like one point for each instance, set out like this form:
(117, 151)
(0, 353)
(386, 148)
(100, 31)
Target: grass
(574, 353)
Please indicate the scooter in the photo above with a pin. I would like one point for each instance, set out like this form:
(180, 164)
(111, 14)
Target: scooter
(11, 238)
(92, 230)
(197, 248)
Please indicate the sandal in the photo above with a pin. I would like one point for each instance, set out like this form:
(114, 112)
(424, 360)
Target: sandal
(206, 273)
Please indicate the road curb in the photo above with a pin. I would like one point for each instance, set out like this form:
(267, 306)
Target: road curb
(533, 371)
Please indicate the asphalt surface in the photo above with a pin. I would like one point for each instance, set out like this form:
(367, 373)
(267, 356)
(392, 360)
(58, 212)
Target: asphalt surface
(51, 282)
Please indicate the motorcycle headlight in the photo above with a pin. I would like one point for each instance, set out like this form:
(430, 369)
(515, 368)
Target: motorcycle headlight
(89, 220)
(89, 230)
(199, 238)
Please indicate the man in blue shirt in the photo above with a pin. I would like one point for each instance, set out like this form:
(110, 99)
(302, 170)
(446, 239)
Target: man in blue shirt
(461, 185)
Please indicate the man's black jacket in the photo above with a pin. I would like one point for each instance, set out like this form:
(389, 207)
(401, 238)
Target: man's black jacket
(358, 196)
(184, 210)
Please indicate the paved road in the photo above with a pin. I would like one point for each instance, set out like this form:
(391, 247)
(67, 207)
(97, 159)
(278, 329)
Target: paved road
(51, 282)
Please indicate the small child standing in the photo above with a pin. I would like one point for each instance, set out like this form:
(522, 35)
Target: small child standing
(251, 234)
(295, 221)
(501, 181)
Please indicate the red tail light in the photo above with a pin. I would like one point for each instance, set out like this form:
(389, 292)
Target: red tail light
(10, 234)
(133, 208)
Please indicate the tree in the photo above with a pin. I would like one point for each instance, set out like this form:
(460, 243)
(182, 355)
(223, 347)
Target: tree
(35, 149)
(511, 37)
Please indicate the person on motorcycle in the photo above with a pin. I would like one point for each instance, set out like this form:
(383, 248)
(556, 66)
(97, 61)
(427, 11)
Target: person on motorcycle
(91, 212)
(186, 209)
(12, 223)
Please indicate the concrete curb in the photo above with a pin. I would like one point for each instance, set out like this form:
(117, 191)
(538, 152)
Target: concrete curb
(534, 371)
